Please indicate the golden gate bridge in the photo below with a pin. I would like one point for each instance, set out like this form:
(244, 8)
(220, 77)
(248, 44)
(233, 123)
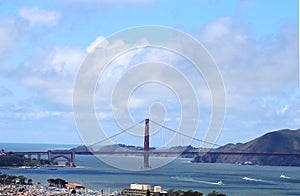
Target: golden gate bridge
(69, 155)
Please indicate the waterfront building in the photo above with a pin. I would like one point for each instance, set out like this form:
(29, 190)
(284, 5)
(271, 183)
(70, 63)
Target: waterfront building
(143, 190)
(74, 186)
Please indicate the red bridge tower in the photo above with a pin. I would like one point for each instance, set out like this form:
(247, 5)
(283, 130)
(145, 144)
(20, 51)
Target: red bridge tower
(146, 144)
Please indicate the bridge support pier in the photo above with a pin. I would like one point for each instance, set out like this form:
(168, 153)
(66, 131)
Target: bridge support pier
(49, 155)
(69, 156)
(38, 156)
(72, 159)
(146, 144)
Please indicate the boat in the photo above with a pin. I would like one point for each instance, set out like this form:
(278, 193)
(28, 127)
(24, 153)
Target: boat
(247, 178)
(51, 168)
(28, 167)
(220, 183)
(284, 176)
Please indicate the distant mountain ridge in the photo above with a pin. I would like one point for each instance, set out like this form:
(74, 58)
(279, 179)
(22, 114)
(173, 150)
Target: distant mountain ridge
(284, 140)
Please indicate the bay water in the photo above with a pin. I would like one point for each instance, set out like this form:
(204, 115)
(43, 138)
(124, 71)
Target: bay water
(178, 174)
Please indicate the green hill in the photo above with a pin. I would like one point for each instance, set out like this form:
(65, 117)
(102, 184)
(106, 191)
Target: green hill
(287, 141)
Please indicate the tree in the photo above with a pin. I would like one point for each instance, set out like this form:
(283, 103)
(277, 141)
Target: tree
(192, 193)
(11, 179)
(22, 180)
(11, 160)
(73, 191)
(8, 179)
(60, 183)
(29, 181)
(173, 192)
(51, 182)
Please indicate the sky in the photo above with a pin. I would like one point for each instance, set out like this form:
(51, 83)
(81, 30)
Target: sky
(43, 45)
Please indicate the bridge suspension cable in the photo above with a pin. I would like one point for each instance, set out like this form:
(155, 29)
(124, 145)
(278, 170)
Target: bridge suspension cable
(119, 133)
(185, 135)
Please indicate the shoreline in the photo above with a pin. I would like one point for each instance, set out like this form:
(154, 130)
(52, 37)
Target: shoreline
(34, 167)
(39, 189)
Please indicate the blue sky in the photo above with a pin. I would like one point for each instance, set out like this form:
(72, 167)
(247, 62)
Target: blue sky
(43, 44)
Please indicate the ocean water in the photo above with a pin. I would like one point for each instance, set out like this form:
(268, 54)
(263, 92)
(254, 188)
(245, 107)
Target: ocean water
(178, 174)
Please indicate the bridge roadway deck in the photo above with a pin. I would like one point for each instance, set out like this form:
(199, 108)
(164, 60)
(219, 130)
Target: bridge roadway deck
(165, 152)
(193, 153)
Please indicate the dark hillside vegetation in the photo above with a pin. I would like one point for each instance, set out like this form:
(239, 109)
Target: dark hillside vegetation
(282, 141)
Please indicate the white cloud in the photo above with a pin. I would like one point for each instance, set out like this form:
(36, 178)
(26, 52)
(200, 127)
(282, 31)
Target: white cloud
(16, 34)
(8, 34)
(260, 74)
(104, 115)
(252, 69)
(252, 66)
(11, 34)
(283, 110)
(35, 115)
(137, 105)
(136, 102)
(64, 61)
(52, 73)
(99, 40)
(217, 29)
(37, 16)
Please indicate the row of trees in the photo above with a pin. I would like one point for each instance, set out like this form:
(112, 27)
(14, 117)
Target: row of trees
(14, 180)
(13, 160)
(173, 192)
(6, 179)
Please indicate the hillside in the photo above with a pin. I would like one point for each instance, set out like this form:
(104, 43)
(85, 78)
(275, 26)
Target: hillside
(278, 141)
